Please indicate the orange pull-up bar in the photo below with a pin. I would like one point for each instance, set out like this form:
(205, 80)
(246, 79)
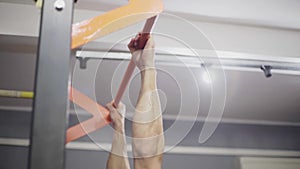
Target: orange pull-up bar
(94, 28)
(147, 29)
(114, 20)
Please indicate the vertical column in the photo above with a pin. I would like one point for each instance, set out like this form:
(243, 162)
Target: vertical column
(49, 119)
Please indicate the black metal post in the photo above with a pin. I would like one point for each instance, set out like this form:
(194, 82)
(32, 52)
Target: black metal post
(49, 119)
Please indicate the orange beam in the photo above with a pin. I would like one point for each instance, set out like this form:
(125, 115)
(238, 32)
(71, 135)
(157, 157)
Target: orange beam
(100, 117)
(114, 20)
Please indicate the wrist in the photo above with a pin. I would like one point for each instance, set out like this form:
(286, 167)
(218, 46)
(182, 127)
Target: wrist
(149, 71)
(148, 78)
(119, 128)
(146, 67)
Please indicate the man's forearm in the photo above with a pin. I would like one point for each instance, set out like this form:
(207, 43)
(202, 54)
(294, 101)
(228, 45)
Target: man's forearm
(148, 139)
(148, 109)
(118, 156)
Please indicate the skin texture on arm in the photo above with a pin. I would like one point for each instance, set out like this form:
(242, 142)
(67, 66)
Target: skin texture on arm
(147, 127)
(118, 155)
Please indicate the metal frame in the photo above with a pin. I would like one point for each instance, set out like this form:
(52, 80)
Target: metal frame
(49, 119)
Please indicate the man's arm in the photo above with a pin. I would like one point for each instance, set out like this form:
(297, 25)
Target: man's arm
(147, 128)
(118, 155)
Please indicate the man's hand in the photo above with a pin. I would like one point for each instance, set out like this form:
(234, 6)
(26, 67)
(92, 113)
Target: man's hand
(117, 116)
(118, 155)
(143, 58)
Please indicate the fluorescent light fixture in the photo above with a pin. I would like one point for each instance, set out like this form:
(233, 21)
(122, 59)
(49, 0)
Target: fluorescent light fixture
(206, 77)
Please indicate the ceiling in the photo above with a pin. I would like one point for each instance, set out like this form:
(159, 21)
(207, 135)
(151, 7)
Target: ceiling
(270, 13)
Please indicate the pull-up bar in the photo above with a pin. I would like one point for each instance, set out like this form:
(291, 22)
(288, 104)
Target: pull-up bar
(114, 20)
(147, 29)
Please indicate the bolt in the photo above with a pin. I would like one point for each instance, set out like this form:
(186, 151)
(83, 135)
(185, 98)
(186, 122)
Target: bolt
(59, 5)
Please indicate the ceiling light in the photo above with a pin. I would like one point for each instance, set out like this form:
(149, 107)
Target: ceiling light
(206, 77)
